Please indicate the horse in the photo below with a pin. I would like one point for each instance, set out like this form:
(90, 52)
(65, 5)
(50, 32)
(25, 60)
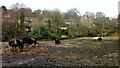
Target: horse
(98, 38)
(14, 43)
(57, 41)
(29, 41)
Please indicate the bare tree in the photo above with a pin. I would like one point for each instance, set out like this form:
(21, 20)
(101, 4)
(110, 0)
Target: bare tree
(17, 6)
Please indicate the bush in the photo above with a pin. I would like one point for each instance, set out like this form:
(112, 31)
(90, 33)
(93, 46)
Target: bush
(43, 33)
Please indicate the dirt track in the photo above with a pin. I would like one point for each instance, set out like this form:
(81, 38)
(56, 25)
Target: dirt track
(72, 52)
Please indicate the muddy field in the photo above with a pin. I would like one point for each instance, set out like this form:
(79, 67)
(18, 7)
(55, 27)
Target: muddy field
(72, 52)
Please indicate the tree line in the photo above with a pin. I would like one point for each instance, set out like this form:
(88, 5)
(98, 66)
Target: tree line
(50, 24)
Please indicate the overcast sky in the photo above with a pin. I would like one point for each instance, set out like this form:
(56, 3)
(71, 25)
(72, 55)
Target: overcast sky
(109, 7)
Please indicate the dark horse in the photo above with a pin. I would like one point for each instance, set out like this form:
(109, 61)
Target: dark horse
(14, 43)
(57, 41)
(100, 38)
(29, 41)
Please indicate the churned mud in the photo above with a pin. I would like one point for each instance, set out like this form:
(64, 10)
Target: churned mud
(71, 52)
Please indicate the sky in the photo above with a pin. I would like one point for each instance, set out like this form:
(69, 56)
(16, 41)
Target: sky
(109, 7)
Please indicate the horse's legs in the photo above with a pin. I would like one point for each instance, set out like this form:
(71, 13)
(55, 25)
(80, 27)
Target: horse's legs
(21, 47)
(35, 43)
(13, 49)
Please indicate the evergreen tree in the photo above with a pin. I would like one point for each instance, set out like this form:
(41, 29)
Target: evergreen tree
(49, 28)
(21, 26)
(118, 23)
